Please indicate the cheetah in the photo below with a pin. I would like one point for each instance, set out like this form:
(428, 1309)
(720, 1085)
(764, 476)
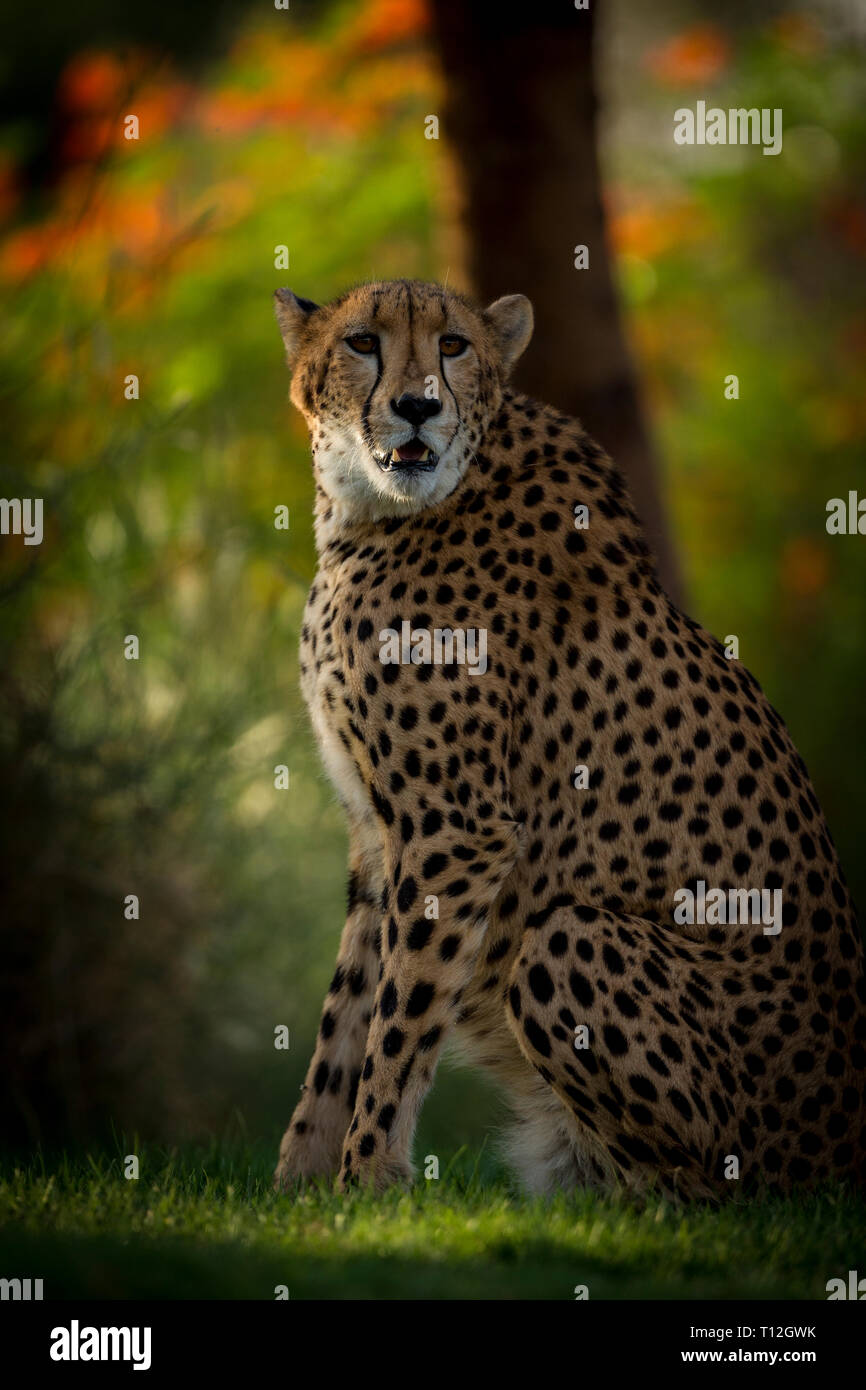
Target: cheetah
(497, 899)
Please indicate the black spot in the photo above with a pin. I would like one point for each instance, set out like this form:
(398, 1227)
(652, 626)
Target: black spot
(615, 1040)
(392, 1043)
(320, 1080)
(420, 933)
(420, 999)
(581, 988)
(537, 1037)
(406, 894)
(613, 960)
(541, 984)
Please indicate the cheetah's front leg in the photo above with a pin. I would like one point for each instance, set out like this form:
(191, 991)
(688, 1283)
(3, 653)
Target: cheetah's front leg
(428, 960)
(312, 1143)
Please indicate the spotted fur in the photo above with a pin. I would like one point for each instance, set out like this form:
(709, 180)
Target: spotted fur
(555, 905)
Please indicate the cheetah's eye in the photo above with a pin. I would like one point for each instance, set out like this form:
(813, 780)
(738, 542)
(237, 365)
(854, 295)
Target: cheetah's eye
(363, 342)
(451, 345)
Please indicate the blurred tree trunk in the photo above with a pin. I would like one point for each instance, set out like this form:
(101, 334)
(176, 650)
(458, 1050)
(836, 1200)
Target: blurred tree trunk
(520, 119)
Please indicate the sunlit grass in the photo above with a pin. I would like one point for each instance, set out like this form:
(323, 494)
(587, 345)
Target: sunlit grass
(204, 1223)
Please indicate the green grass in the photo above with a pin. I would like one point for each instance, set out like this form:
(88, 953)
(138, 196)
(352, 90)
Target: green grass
(203, 1223)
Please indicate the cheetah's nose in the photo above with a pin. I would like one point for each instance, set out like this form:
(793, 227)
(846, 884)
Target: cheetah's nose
(415, 409)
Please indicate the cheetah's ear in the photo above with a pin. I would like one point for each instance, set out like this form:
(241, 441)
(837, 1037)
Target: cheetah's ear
(512, 321)
(292, 314)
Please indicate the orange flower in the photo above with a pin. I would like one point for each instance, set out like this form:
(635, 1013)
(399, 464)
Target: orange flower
(29, 250)
(696, 56)
(139, 224)
(648, 230)
(383, 23)
(92, 82)
(158, 107)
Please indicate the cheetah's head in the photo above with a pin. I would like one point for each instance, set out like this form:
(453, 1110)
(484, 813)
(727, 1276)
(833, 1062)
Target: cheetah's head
(398, 382)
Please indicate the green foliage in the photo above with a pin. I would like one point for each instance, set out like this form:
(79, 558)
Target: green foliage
(155, 777)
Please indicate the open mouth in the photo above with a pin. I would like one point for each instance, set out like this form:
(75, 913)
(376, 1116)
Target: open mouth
(413, 457)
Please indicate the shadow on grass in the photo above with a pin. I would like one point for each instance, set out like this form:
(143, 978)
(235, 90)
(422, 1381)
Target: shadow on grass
(165, 1267)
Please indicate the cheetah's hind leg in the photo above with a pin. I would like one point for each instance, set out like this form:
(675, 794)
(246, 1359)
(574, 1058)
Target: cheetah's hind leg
(624, 1023)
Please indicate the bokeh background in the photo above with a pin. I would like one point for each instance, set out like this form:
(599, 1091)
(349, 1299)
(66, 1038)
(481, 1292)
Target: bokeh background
(306, 128)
